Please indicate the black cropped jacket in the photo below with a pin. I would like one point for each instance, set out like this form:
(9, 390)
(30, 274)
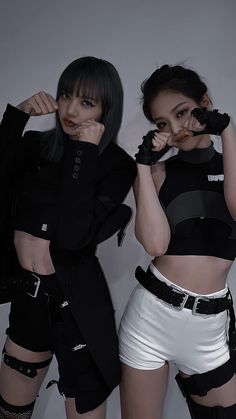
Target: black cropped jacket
(92, 189)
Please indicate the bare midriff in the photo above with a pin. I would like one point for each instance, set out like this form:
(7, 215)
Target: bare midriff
(199, 274)
(33, 253)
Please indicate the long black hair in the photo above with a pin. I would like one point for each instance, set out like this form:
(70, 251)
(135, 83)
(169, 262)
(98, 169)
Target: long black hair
(89, 77)
(176, 78)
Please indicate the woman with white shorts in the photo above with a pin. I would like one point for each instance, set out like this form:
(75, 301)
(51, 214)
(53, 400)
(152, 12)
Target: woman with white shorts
(182, 310)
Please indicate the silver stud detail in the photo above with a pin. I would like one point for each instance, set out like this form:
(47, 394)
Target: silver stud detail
(78, 347)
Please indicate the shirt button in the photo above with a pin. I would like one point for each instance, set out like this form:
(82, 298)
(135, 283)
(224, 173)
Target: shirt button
(77, 160)
(76, 168)
(75, 175)
(79, 152)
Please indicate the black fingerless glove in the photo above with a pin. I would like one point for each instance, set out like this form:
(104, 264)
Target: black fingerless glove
(145, 154)
(215, 122)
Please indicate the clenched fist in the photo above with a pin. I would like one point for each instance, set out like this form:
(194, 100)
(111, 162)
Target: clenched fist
(90, 130)
(41, 103)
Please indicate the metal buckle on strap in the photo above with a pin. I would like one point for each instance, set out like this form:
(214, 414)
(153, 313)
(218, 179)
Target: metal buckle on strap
(36, 284)
(197, 301)
(185, 297)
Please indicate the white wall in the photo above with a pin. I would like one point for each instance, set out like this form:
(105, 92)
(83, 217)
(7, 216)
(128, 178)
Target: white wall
(38, 39)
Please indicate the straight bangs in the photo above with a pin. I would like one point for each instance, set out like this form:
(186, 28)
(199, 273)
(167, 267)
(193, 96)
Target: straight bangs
(97, 79)
(86, 80)
(82, 86)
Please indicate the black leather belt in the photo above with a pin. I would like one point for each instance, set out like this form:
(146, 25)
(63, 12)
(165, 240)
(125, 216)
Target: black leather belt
(25, 281)
(180, 299)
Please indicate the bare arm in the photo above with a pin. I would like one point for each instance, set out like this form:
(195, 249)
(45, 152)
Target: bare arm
(229, 159)
(151, 225)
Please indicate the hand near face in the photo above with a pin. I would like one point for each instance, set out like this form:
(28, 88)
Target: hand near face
(160, 140)
(41, 103)
(152, 148)
(191, 125)
(89, 131)
(213, 121)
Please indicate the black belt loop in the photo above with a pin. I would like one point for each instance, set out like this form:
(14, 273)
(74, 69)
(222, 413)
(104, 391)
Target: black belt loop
(178, 299)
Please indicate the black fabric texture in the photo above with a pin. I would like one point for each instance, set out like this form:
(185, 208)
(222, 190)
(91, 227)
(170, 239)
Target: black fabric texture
(84, 189)
(199, 226)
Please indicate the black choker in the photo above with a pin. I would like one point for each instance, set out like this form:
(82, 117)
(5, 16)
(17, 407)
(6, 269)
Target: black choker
(197, 155)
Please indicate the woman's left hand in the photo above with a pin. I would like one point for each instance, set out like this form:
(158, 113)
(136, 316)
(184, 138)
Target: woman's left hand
(89, 131)
(191, 125)
(213, 121)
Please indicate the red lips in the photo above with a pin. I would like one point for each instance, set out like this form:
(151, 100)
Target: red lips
(183, 135)
(69, 123)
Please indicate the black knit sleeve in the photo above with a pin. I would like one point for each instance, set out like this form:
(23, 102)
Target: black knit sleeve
(16, 150)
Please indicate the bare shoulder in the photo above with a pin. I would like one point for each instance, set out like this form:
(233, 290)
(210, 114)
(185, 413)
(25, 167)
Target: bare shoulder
(158, 171)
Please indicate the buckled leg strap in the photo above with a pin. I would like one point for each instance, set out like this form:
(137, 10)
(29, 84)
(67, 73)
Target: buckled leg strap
(26, 368)
(10, 411)
(199, 411)
(200, 384)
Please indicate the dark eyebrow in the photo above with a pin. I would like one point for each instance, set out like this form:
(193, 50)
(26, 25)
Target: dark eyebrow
(173, 110)
(93, 99)
(176, 107)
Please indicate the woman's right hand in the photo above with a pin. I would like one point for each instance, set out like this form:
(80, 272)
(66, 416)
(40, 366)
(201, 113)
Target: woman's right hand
(154, 145)
(41, 103)
(161, 140)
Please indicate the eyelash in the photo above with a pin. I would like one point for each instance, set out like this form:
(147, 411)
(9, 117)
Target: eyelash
(181, 113)
(162, 125)
(84, 101)
(65, 96)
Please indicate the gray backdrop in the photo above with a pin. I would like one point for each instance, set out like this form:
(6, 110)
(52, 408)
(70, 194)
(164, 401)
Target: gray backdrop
(38, 39)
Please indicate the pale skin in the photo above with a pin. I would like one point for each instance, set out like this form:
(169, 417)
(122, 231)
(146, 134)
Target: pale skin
(143, 391)
(79, 118)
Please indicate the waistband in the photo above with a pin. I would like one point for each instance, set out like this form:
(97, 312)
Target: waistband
(35, 283)
(163, 278)
(179, 298)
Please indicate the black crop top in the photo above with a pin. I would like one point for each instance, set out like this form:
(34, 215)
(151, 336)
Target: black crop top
(193, 199)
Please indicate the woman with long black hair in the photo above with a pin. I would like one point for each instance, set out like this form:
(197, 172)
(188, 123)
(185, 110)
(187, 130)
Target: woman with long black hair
(64, 189)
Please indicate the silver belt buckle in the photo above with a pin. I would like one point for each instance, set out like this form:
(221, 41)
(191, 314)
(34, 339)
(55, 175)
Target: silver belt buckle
(37, 284)
(182, 304)
(195, 305)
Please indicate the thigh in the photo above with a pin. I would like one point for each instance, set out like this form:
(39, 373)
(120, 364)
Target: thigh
(203, 344)
(145, 332)
(15, 387)
(142, 392)
(222, 396)
(71, 412)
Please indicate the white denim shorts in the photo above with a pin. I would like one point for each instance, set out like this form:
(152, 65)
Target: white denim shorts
(152, 333)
